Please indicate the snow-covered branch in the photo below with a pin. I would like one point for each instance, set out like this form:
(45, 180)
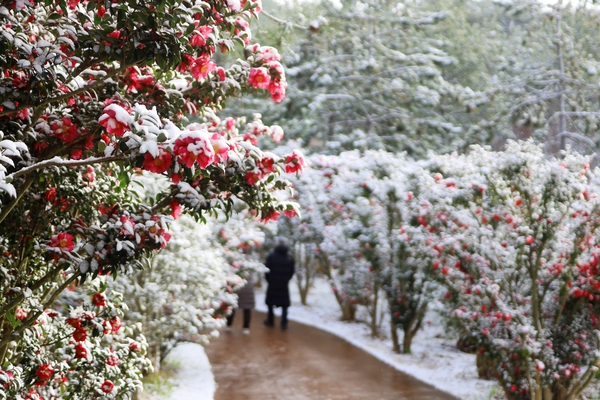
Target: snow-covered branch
(61, 162)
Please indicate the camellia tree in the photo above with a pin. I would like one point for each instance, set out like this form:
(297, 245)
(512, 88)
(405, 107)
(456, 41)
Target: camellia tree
(514, 234)
(90, 92)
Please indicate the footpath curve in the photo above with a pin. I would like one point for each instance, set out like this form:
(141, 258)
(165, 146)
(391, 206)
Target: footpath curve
(304, 363)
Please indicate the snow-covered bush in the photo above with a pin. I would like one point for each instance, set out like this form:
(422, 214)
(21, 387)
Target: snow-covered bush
(77, 352)
(354, 205)
(514, 234)
(181, 294)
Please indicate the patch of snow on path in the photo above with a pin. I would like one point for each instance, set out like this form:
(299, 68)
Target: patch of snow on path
(434, 360)
(194, 379)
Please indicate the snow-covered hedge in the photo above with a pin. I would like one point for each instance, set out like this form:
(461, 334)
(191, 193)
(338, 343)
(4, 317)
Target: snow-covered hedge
(506, 240)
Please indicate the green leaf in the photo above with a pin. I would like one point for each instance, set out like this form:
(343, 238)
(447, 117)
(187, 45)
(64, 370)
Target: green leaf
(161, 60)
(13, 320)
(124, 179)
(161, 137)
(190, 29)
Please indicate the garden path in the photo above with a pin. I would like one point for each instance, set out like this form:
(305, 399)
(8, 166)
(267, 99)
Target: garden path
(304, 363)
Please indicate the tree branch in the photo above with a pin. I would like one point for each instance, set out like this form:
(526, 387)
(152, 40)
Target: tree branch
(282, 22)
(59, 162)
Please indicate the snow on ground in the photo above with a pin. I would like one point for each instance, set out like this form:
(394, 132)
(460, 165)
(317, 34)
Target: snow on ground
(194, 379)
(435, 359)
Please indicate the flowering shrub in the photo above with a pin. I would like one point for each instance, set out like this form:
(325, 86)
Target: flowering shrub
(92, 92)
(513, 234)
(353, 206)
(505, 239)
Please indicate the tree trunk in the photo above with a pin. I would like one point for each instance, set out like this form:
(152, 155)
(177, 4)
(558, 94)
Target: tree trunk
(348, 311)
(375, 314)
(303, 295)
(395, 341)
(485, 367)
(407, 341)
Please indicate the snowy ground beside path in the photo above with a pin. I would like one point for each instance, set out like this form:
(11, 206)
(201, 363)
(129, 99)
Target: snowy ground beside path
(194, 379)
(435, 359)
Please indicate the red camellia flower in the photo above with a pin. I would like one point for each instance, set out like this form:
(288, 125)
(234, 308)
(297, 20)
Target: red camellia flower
(176, 209)
(107, 386)
(199, 36)
(220, 147)
(74, 322)
(21, 314)
(115, 119)
(295, 163)
(80, 351)
(194, 148)
(136, 81)
(65, 130)
(201, 67)
(88, 315)
(112, 360)
(259, 78)
(134, 346)
(44, 372)
(76, 154)
(115, 323)
(159, 164)
(266, 165)
(290, 213)
(99, 299)
(277, 88)
(230, 124)
(221, 74)
(80, 334)
(32, 394)
(251, 178)
(63, 241)
(8, 377)
(274, 216)
(50, 194)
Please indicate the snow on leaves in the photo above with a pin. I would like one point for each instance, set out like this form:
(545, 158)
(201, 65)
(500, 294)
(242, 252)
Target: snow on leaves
(504, 240)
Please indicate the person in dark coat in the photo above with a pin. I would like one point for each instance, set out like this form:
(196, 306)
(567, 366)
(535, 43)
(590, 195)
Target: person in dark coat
(281, 270)
(245, 302)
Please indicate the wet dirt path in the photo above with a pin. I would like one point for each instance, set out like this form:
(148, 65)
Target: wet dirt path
(303, 363)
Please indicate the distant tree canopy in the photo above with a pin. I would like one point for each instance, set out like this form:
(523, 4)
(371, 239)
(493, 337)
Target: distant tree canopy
(440, 75)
